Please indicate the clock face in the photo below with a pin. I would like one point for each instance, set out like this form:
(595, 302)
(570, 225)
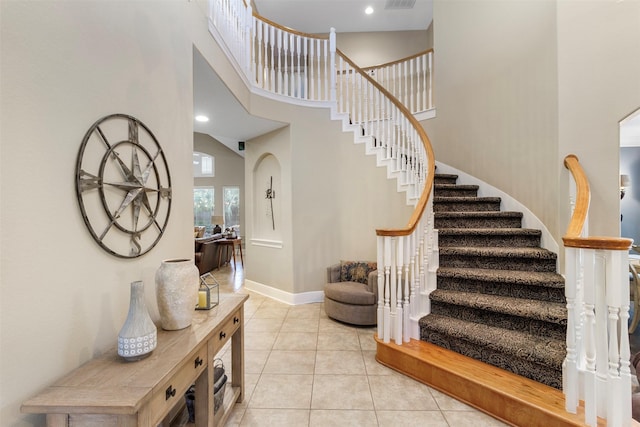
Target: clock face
(123, 186)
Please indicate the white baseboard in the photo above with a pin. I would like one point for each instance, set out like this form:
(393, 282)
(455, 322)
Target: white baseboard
(282, 296)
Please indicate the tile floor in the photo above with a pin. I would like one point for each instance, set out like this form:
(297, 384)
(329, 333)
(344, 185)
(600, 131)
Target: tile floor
(304, 369)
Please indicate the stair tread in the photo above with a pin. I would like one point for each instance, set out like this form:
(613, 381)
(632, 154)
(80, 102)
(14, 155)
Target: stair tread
(552, 312)
(456, 186)
(491, 231)
(524, 252)
(543, 350)
(542, 278)
(467, 214)
(467, 199)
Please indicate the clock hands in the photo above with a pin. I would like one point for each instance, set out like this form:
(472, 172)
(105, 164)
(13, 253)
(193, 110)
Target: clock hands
(271, 194)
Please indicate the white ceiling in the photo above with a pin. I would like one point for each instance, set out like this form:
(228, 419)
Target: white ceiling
(318, 16)
(229, 121)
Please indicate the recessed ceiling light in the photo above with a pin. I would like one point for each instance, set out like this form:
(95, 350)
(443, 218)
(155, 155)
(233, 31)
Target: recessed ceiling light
(368, 10)
(202, 118)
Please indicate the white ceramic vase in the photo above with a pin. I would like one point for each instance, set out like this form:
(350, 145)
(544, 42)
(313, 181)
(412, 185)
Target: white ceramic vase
(138, 336)
(177, 293)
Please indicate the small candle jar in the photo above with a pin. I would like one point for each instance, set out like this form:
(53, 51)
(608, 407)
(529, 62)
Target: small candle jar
(209, 293)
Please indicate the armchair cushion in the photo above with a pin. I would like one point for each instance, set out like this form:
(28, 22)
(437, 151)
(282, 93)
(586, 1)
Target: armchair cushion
(356, 271)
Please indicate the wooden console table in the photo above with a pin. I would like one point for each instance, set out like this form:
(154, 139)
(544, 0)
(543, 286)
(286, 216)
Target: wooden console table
(108, 391)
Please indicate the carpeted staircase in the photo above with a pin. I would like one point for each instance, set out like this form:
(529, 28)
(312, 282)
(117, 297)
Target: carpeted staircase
(498, 298)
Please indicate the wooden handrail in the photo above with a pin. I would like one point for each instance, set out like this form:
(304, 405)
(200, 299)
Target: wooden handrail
(289, 30)
(397, 61)
(431, 166)
(572, 237)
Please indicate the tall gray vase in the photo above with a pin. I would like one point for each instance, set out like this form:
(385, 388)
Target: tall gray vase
(138, 336)
(177, 283)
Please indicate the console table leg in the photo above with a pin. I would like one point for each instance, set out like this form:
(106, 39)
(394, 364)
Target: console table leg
(237, 359)
(57, 420)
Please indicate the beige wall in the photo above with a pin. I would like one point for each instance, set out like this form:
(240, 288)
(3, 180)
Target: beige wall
(496, 97)
(369, 49)
(63, 66)
(229, 171)
(519, 85)
(331, 200)
(599, 85)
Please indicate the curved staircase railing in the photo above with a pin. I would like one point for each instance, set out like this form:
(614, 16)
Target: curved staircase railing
(289, 65)
(409, 79)
(406, 256)
(279, 62)
(596, 368)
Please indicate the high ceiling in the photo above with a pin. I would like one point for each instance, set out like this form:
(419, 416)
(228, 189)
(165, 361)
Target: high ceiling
(229, 121)
(318, 16)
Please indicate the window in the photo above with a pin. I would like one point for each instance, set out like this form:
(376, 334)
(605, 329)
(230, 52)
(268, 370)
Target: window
(203, 206)
(204, 165)
(231, 201)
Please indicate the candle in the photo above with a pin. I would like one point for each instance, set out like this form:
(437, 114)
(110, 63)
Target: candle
(202, 298)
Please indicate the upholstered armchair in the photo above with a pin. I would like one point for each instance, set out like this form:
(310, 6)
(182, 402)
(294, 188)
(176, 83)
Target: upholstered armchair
(351, 292)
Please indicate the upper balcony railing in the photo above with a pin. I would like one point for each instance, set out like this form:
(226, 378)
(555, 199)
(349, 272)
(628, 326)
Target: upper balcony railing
(409, 79)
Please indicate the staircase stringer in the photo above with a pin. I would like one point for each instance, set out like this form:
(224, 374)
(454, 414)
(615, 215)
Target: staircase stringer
(382, 159)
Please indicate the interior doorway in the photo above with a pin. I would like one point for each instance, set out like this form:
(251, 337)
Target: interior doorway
(630, 177)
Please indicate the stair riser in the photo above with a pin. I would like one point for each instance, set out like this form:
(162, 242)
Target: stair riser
(455, 192)
(515, 323)
(498, 222)
(525, 241)
(513, 290)
(498, 263)
(445, 179)
(525, 368)
(470, 206)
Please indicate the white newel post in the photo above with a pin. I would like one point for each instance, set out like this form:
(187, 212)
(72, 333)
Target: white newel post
(380, 266)
(570, 365)
(393, 286)
(387, 274)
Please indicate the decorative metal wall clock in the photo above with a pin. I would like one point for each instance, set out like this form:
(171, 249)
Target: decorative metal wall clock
(123, 186)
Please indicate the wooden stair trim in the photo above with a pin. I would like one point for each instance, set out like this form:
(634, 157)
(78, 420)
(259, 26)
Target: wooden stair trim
(512, 399)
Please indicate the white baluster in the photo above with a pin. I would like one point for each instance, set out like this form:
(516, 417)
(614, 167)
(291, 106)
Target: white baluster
(259, 69)
(589, 393)
(332, 48)
(598, 271)
(625, 355)
(430, 68)
(272, 61)
(614, 301)
(399, 312)
(250, 47)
